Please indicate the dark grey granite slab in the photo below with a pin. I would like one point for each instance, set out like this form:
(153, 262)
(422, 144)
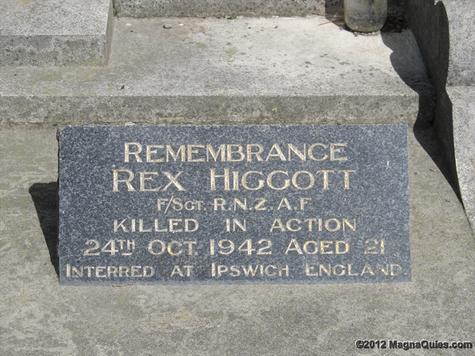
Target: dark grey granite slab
(301, 204)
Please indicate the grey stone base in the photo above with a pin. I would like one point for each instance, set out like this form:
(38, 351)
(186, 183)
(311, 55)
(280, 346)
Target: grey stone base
(163, 8)
(55, 32)
(248, 69)
(231, 8)
(40, 317)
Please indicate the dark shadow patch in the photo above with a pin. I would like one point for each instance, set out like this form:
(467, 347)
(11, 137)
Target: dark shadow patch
(396, 21)
(45, 198)
(429, 141)
(435, 109)
(334, 11)
(412, 78)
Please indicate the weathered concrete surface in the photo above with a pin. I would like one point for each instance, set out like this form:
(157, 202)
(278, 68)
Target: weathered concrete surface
(55, 32)
(463, 105)
(151, 8)
(38, 317)
(157, 8)
(254, 69)
(460, 15)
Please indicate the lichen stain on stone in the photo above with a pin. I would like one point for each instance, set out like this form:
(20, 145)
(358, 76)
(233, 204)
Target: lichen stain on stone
(88, 74)
(131, 311)
(24, 2)
(230, 52)
(200, 45)
(47, 76)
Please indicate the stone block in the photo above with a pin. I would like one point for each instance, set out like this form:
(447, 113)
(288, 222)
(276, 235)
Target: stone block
(165, 8)
(249, 69)
(55, 32)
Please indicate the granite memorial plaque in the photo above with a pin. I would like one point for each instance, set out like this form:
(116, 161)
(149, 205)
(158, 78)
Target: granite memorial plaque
(250, 203)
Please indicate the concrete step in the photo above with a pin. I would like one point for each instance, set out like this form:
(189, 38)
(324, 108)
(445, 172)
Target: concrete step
(55, 32)
(232, 8)
(40, 317)
(246, 69)
(165, 8)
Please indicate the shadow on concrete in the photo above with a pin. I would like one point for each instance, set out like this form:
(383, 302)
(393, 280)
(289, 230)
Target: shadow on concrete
(45, 198)
(334, 10)
(435, 108)
(427, 107)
